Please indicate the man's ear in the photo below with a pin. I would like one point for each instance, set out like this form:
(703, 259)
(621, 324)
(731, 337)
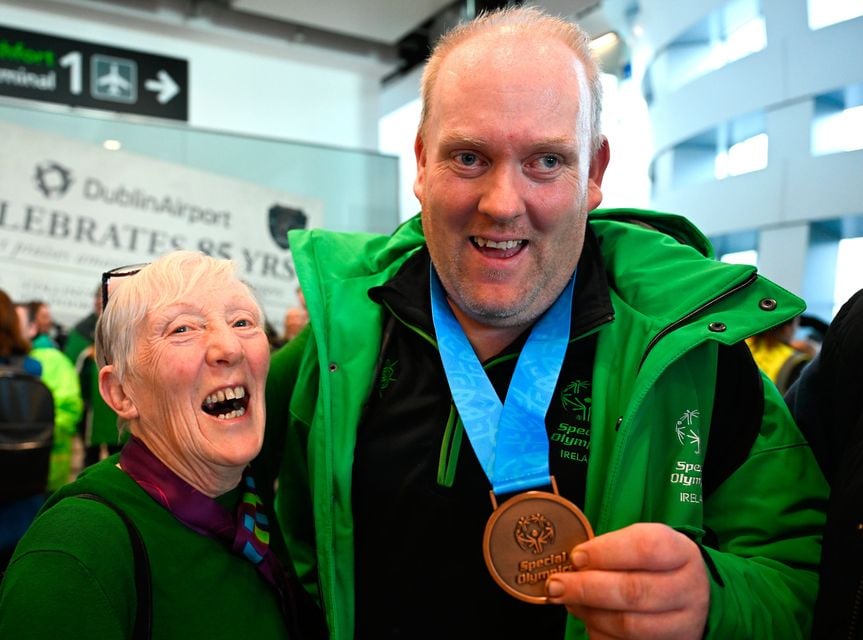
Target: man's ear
(598, 165)
(420, 152)
(115, 394)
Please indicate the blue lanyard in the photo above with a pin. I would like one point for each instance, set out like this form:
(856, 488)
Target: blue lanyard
(509, 438)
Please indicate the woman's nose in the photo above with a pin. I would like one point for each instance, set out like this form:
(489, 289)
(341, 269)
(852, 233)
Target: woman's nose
(223, 345)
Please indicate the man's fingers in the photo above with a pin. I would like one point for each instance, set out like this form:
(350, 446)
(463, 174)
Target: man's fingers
(622, 591)
(644, 546)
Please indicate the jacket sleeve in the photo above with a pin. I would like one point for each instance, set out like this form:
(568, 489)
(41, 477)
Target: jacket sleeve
(767, 520)
(59, 375)
(284, 462)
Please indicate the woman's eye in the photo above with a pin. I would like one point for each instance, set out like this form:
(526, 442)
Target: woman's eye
(180, 329)
(242, 323)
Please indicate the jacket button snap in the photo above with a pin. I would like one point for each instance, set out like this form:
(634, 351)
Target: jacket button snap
(717, 327)
(333, 367)
(767, 304)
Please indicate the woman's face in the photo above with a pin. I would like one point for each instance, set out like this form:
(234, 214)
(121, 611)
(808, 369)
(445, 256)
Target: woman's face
(196, 380)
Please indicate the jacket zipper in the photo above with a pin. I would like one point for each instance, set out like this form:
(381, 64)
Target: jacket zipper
(695, 312)
(855, 611)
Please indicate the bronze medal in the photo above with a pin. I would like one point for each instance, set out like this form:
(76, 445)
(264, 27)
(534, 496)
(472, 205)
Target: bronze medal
(528, 538)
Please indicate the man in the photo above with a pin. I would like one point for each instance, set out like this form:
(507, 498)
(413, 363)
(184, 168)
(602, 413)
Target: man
(827, 403)
(39, 314)
(98, 425)
(296, 318)
(705, 500)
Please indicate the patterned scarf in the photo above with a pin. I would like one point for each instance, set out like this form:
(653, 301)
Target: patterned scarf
(245, 534)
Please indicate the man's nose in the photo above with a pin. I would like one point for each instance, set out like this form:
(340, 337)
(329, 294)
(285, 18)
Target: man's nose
(502, 194)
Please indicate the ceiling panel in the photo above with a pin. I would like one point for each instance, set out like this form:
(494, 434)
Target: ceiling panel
(384, 21)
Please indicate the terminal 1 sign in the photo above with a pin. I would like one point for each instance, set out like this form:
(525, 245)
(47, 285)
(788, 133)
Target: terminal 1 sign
(46, 68)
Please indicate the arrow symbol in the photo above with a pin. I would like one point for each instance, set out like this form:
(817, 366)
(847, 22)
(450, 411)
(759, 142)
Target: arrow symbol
(164, 85)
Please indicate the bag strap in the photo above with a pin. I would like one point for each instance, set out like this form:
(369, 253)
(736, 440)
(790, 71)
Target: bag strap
(143, 580)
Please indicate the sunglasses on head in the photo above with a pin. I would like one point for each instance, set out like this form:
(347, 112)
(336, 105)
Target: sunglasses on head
(118, 272)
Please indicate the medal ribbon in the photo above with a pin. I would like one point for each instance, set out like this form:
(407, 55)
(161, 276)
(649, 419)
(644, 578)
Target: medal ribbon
(509, 438)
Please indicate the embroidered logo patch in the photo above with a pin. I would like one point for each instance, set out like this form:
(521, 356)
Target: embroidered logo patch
(688, 469)
(687, 429)
(575, 398)
(388, 375)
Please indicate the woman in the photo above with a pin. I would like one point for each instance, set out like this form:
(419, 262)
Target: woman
(24, 456)
(183, 359)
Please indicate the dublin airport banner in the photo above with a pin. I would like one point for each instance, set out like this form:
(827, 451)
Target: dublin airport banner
(70, 210)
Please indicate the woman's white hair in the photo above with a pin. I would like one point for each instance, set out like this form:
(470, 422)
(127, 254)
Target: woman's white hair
(173, 277)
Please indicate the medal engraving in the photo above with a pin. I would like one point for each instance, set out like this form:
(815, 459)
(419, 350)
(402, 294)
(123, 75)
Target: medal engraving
(530, 537)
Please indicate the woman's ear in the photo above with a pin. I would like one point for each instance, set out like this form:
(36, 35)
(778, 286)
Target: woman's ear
(114, 393)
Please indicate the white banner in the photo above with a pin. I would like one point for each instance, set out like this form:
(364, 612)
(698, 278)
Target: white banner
(70, 210)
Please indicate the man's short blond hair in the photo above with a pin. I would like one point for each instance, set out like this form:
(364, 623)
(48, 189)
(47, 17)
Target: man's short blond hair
(531, 21)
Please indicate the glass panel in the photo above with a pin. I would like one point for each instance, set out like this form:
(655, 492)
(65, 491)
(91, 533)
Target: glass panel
(741, 257)
(730, 33)
(837, 125)
(358, 189)
(743, 157)
(71, 208)
(849, 271)
(823, 13)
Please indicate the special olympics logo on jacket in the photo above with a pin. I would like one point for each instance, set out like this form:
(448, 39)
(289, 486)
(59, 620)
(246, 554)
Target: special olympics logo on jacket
(687, 429)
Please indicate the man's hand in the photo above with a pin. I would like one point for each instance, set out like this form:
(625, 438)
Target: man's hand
(644, 581)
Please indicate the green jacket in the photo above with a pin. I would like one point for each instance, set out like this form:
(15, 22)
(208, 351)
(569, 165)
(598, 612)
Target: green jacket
(59, 375)
(100, 421)
(655, 363)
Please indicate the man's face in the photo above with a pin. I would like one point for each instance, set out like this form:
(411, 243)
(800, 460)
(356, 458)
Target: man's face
(504, 176)
(44, 321)
(197, 381)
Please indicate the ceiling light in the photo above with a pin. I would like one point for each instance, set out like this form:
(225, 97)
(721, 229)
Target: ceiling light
(604, 42)
(112, 145)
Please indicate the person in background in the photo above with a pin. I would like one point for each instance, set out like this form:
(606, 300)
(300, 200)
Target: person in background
(21, 501)
(810, 334)
(182, 360)
(827, 402)
(775, 355)
(39, 315)
(504, 339)
(60, 376)
(296, 318)
(98, 427)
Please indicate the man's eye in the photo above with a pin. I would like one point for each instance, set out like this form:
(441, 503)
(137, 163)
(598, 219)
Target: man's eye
(549, 161)
(467, 159)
